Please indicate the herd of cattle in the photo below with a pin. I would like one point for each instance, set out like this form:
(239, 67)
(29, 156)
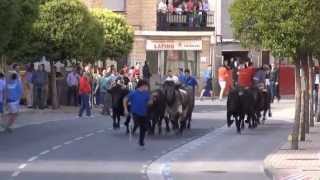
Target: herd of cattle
(174, 105)
(253, 103)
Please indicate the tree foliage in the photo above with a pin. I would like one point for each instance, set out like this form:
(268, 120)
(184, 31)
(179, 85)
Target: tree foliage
(285, 27)
(21, 45)
(8, 19)
(118, 35)
(65, 29)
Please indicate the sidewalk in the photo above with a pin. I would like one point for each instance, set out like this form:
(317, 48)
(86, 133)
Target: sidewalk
(35, 116)
(303, 164)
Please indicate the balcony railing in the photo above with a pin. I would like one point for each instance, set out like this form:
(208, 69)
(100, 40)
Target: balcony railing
(200, 21)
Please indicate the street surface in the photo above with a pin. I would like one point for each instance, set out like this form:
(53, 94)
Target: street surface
(88, 148)
(224, 155)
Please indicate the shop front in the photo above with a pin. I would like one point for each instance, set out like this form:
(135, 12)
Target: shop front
(166, 51)
(165, 55)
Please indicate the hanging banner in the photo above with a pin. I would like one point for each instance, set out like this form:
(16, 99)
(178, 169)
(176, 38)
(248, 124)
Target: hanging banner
(162, 45)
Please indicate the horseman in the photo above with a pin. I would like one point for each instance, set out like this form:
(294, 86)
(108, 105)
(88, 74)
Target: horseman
(189, 81)
(172, 77)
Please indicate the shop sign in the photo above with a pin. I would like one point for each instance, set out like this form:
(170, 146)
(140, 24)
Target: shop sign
(160, 45)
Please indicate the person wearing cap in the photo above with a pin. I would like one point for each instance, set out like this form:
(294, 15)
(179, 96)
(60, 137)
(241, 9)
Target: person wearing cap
(139, 100)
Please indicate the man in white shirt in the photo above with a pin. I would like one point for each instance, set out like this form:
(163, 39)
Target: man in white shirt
(162, 7)
(73, 83)
(171, 77)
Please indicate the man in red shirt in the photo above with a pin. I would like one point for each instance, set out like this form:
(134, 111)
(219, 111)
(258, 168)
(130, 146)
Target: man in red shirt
(84, 92)
(245, 76)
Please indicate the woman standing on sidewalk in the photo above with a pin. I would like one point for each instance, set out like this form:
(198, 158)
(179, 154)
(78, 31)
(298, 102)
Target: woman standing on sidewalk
(13, 96)
(84, 92)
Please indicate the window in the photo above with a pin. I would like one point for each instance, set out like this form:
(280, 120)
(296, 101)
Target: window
(115, 5)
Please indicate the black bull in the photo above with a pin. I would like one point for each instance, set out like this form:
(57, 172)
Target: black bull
(173, 103)
(247, 102)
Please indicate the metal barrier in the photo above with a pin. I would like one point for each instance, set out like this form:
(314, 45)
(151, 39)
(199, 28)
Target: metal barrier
(198, 21)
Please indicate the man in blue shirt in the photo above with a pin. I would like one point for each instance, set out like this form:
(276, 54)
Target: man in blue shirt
(181, 75)
(190, 80)
(139, 100)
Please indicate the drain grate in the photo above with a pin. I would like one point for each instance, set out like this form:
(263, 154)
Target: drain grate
(215, 172)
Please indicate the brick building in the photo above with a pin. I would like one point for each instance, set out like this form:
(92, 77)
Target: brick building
(167, 40)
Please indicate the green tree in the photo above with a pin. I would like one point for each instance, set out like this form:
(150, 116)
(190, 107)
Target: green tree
(8, 19)
(21, 45)
(63, 31)
(118, 35)
(288, 28)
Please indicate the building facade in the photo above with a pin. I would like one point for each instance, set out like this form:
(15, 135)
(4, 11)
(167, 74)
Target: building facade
(227, 46)
(166, 36)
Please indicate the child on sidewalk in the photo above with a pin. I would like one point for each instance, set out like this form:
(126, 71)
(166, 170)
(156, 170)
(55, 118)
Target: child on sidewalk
(139, 99)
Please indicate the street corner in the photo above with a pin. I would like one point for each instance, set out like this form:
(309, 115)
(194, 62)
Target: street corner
(275, 173)
(285, 164)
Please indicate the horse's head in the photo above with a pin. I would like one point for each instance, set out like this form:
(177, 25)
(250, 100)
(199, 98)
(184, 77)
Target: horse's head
(169, 89)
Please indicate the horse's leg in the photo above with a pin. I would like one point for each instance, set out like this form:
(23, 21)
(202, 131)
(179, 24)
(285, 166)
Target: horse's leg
(114, 118)
(264, 116)
(152, 125)
(238, 124)
(127, 124)
(160, 125)
(229, 120)
(118, 119)
(249, 119)
(255, 120)
(189, 120)
(258, 115)
(167, 121)
(270, 113)
(183, 122)
(241, 119)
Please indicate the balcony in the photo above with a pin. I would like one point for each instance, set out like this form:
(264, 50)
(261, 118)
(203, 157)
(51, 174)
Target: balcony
(200, 21)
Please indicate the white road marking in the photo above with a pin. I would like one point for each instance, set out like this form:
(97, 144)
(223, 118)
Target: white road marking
(22, 166)
(101, 131)
(16, 173)
(56, 147)
(68, 142)
(90, 134)
(44, 152)
(33, 158)
(78, 138)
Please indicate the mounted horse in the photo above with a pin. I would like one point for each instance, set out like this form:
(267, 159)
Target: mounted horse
(179, 105)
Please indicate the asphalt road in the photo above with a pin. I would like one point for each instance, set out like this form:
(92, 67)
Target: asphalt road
(85, 149)
(224, 155)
